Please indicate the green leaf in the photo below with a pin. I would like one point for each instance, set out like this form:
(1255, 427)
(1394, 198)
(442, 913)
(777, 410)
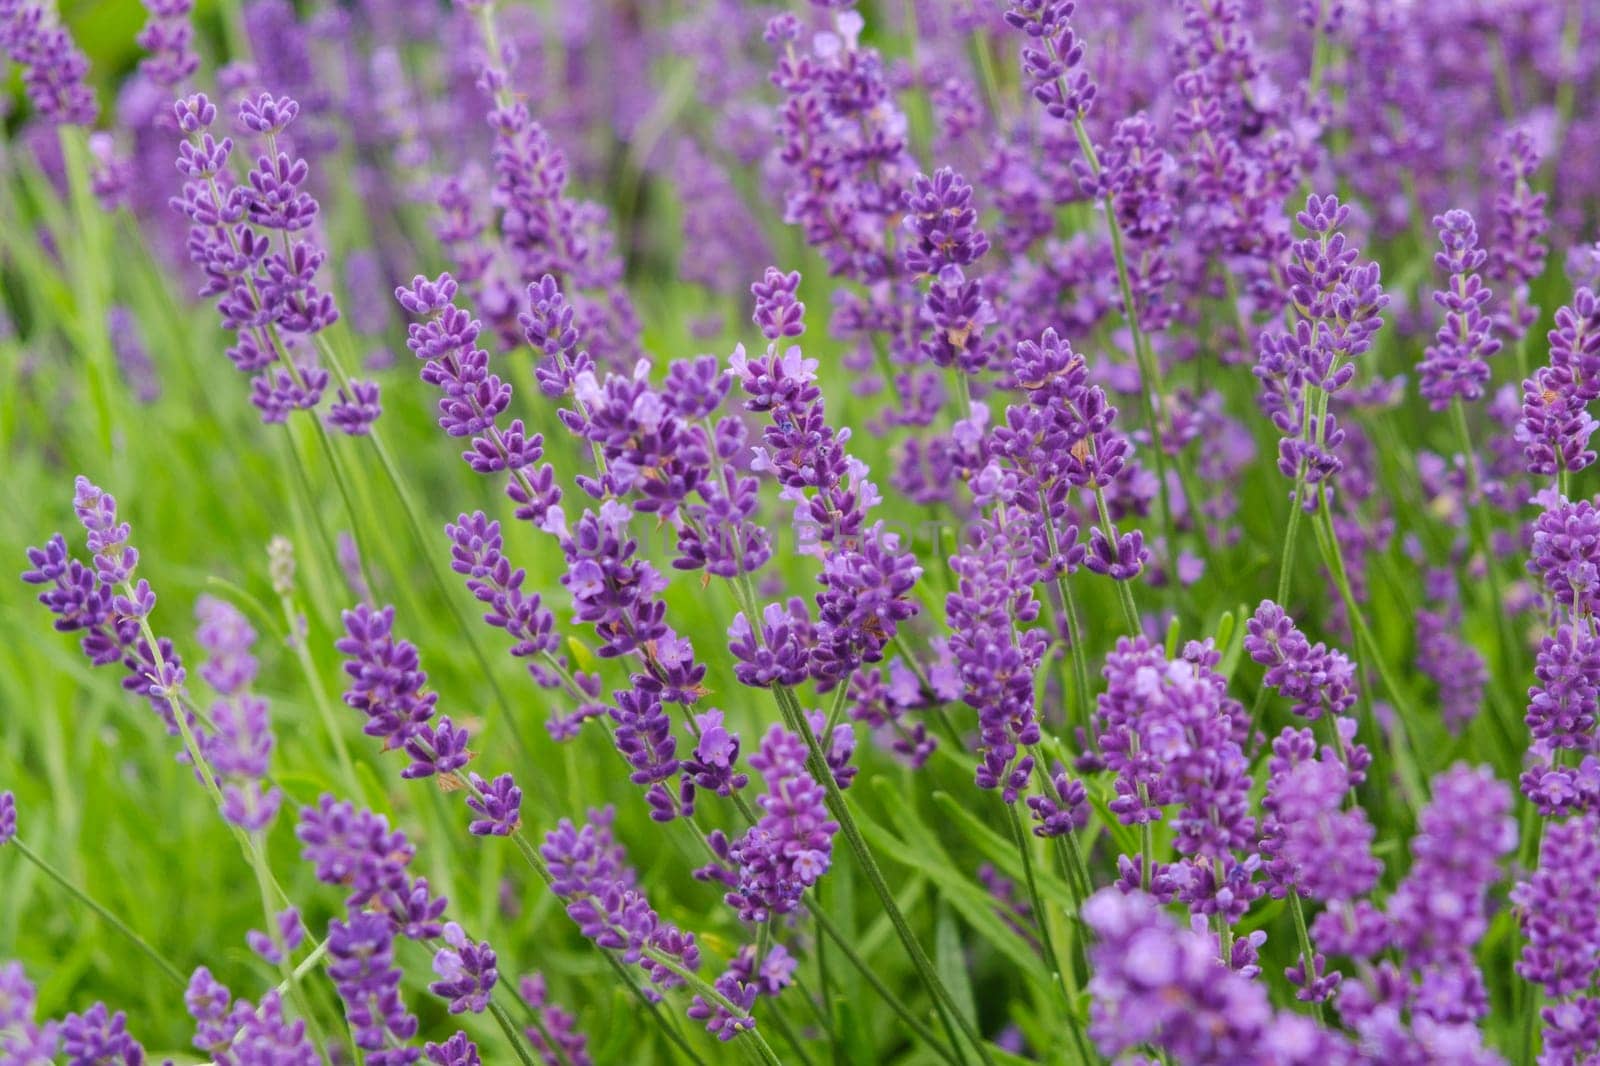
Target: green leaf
(950, 957)
(1002, 851)
(971, 900)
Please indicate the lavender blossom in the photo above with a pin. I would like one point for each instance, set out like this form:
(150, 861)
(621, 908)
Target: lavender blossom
(1338, 303)
(1516, 255)
(97, 1036)
(1318, 679)
(1455, 364)
(590, 874)
(53, 66)
(361, 954)
(466, 972)
(570, 1045)
(789, 847)
(1156, 984)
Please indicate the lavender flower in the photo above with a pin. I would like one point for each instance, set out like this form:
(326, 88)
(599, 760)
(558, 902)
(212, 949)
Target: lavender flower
(238, 747)
(1052, 60)
(1555, 425)
(1156, 984)
(567, 1045)
(269, 299)
(1558, 908)
(168, 37)
(1565, 555)
(1319, 680)
(24, 1040)
(8, 817)
(361, 953)
(466, 972)
(457, 1051)
(1338, 304)
(1516, 255)
(104, 605)
(590, 873)
(1454, 365)
(1440, 910)
(1313, 844)
(54, 67)
(97, 1036)
(233, 1031)
(789, 847)
(497, 803)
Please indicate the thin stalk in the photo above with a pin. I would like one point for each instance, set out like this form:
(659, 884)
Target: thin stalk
(319, 697)
(1055, 961)
(841, 695)
(903, 1012)
(1480, 527)
(88, 255)
(103, 912)
(946, 1004)
(1298, 910)
(1069, 606)
(517, 1039)
(1410, 784)
(258, 864)
(414, 522)
(701, 988)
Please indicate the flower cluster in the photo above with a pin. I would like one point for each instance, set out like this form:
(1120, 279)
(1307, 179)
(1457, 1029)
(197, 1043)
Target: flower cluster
(1337, 305)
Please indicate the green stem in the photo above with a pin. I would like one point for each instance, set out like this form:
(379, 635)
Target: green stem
(102, 911)
(1406, 718)
(945, 1003)
(1298, 910)
(258, 864)
(841, 695)
(701, 988)
(517, 1039)
(847, 949)
(319, 697)
(1060, 966)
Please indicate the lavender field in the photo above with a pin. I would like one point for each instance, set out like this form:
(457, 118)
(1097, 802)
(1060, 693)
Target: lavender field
(823, 532)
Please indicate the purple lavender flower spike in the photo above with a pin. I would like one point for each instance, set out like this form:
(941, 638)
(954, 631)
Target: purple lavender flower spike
(97, 1036)
(1052, 59)
(8, 817)
(1159, 985)
(1337, 300)
(1455, 363)
(26, 1041)
(466, 972)
(1565, 556)
(54, 68)
(590, 872)
(1318, 679)
(791, 845)
(457, 1051)
(168, 37)
(1555, 425)
(269, 299)
(499, 809)
(1516, 255)
(361, 953)
(570, 1044)
(108, 616)
(1312, 843)
(386, 677)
